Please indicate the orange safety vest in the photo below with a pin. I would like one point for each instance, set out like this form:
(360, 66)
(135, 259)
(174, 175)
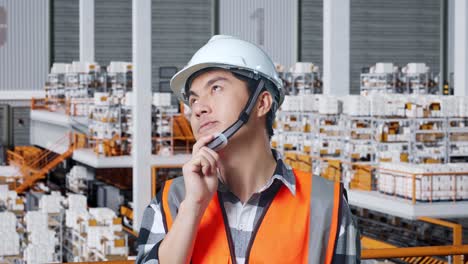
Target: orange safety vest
(287, 233)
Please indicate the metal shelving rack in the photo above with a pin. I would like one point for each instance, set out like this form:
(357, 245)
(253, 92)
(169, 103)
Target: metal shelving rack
(419, 83)
(327, 129)
(78, 85)
(406, 139)
(74, 249)
(55, 86)
(359, 147)
(120, 82)
(55, 223)
(112, 120)
(402, 82)
(298, 128)
(383, 144)
(163, 124)
(379, 83)
(126, 126)
(303, 83)
(429, 144)
(358, 131)
(457, 137)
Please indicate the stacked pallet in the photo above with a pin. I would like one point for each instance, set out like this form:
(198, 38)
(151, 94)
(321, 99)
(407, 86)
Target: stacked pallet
(8, 233)
(95, 233)
(51, 203)
(42, 241)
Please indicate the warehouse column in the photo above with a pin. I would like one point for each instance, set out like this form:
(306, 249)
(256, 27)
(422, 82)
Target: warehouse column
(444, 42)
(141, 137)
(87, 30)
(336, 16)
(461, 48)
(450, 40)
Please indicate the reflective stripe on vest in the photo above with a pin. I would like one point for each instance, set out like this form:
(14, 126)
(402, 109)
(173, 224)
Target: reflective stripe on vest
(286, 234)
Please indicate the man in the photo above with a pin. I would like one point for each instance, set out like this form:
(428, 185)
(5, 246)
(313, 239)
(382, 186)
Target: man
(237, 202)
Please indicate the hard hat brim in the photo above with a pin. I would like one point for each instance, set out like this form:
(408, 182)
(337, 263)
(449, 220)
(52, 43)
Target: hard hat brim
(179, 80)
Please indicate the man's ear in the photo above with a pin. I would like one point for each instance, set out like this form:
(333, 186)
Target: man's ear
(264, 103)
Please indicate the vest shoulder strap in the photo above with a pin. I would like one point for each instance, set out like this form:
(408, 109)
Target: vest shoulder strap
(326, 198)
(172, 194)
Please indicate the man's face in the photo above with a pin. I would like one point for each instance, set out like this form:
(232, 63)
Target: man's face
(216, 99)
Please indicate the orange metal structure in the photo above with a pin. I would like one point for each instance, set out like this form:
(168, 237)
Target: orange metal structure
(33, 170)
(384, 251)
(457, 230)
(30, 180)
(181, 131)
(50, 104)
(415, 254)
(154, 175)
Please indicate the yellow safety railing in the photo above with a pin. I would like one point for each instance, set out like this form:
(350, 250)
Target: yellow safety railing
(387, 253)
(415, 177)
(457, 231)
(69, 106)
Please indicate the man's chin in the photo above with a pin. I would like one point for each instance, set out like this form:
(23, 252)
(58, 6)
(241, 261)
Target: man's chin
(207, 133)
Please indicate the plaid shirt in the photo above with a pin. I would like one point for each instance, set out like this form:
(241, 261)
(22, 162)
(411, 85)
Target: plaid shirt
(242, 218)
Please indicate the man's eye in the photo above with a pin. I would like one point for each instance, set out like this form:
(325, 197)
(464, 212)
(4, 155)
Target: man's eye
(192, 101)
(216, 88)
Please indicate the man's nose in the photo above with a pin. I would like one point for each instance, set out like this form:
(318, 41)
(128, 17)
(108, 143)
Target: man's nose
(202, 106)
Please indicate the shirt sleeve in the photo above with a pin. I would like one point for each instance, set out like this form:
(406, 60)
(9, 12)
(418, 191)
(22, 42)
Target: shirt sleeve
(348, 247)
(151, 234)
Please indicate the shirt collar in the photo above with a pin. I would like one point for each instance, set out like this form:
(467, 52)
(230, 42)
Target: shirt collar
(283, 173)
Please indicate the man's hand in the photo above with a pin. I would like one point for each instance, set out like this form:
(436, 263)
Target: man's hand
(201, 183)
(200, 175)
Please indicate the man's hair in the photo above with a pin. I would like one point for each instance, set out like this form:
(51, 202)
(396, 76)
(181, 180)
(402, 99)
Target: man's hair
(251, 86)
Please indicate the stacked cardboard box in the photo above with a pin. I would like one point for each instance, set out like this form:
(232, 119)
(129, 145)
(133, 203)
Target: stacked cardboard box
(8, 233)
(397, 179)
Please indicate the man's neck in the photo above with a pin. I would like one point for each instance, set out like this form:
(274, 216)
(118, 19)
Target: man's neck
(247, 166)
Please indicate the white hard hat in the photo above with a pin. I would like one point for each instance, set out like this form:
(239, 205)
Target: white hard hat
(228, 52)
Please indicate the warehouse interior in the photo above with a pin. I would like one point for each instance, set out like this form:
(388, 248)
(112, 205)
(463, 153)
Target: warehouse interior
(376, 98)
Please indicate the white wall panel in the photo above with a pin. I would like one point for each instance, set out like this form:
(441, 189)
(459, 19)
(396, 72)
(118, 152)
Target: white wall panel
(271, 24)
(24, 49)
(396, 31)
